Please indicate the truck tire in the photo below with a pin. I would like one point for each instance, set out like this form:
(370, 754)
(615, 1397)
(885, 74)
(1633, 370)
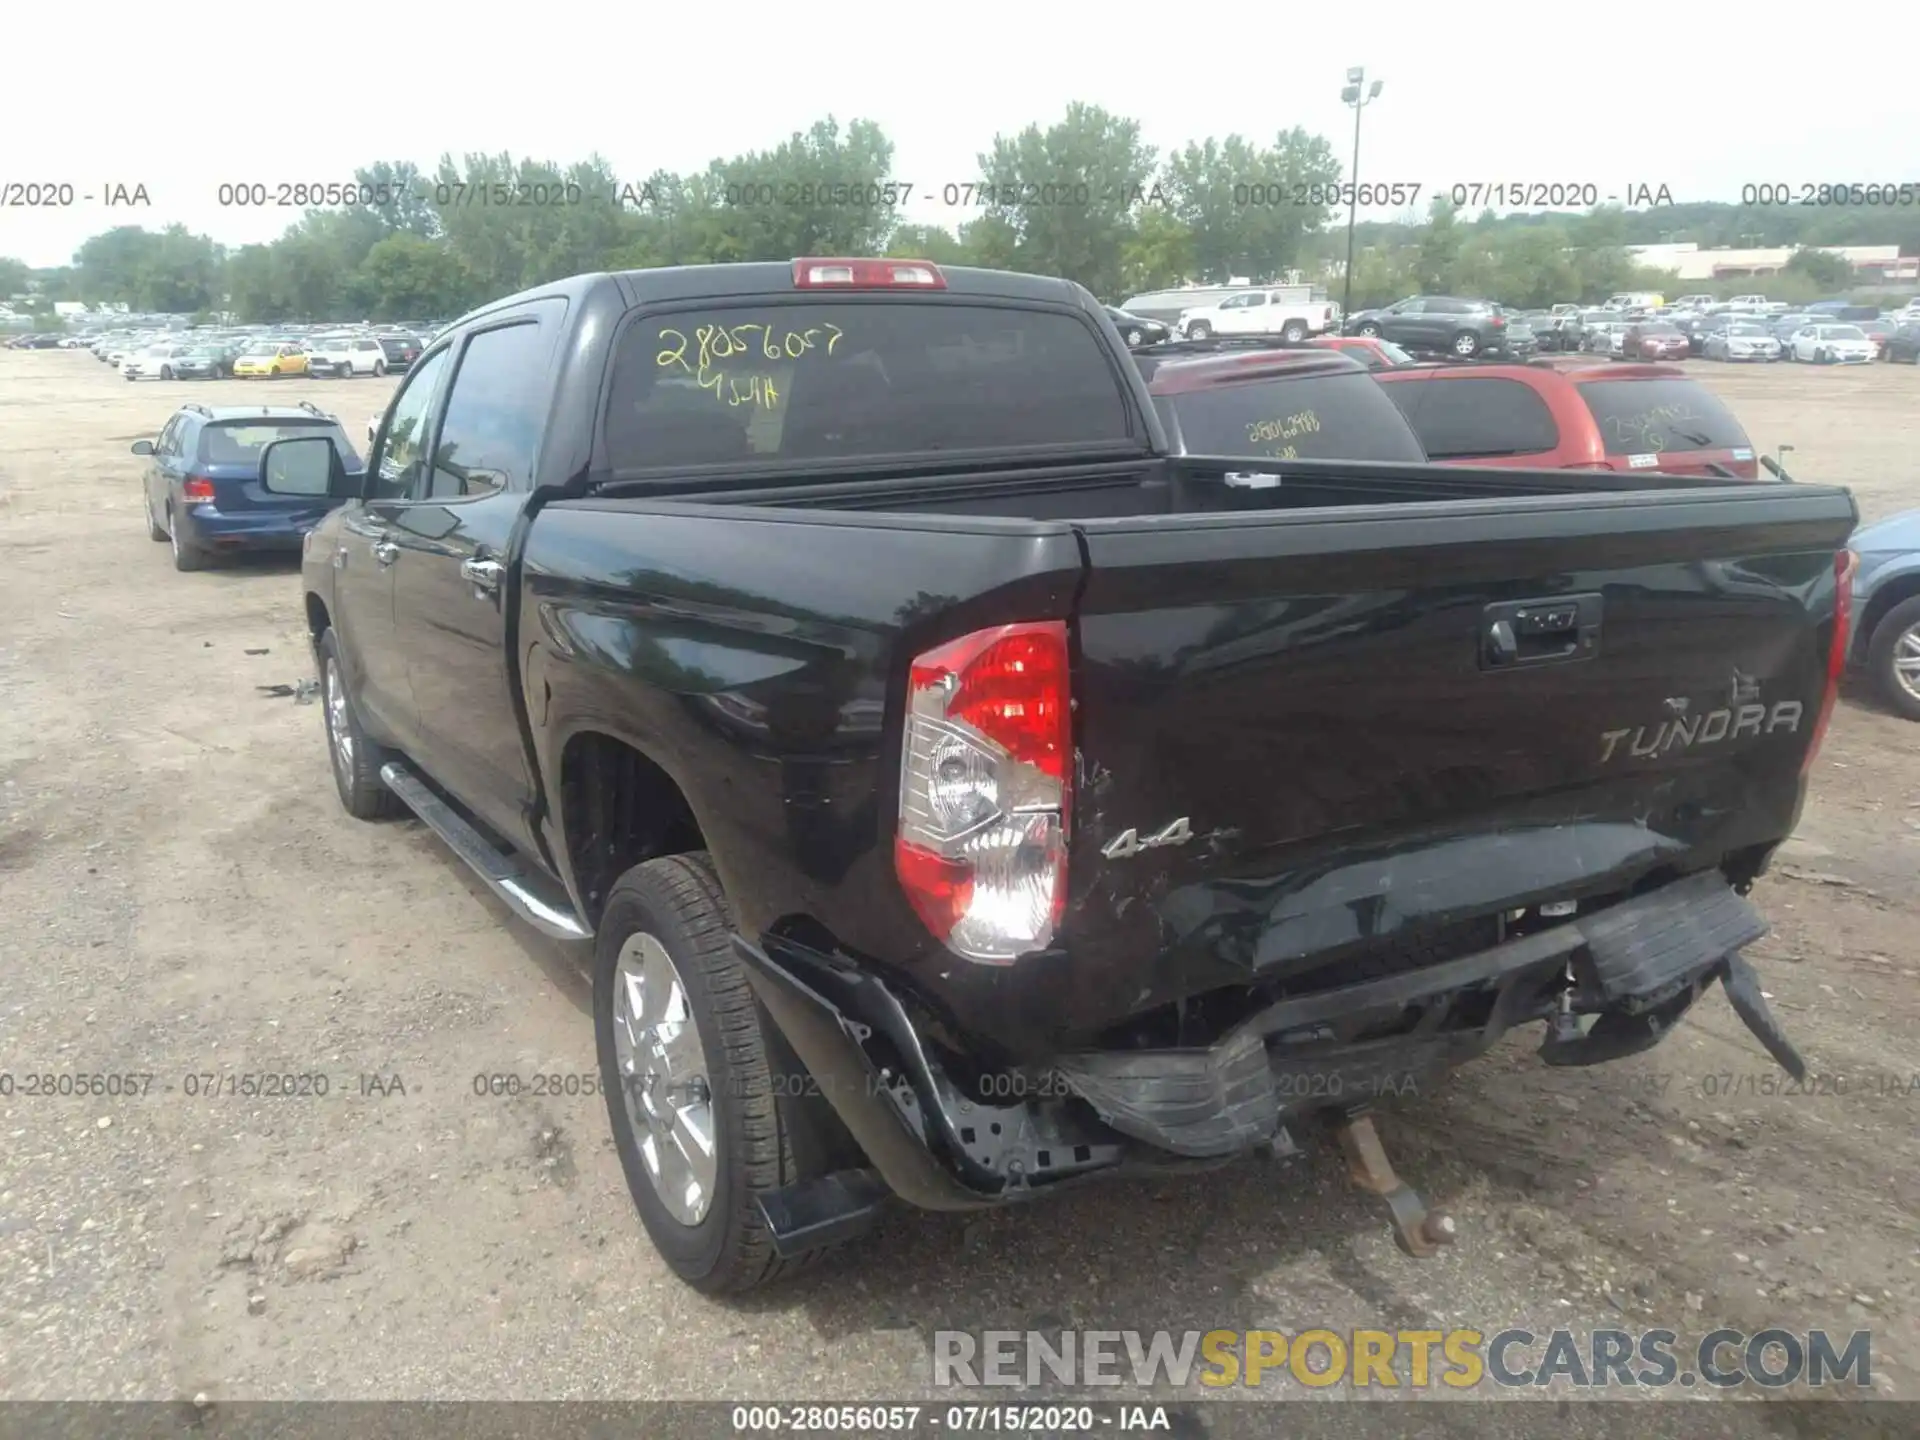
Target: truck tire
(1134, 339)
(1199, 330)
(1294, 331)
(356, 762)
(1368, 329)
(663, 952)
(1896, 640)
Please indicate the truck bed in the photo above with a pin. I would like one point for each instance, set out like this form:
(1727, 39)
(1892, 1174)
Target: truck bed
(1185, 485)
(1308, 686)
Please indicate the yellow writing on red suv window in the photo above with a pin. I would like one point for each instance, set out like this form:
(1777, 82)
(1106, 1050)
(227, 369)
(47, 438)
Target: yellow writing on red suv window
(1283, 428)
(1650, 428)
(731, 360)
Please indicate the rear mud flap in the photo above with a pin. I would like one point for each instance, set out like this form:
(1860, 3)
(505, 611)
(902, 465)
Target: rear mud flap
(1743, 993)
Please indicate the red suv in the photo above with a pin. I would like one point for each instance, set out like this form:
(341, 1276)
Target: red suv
(1597, 417)
(1276, 404)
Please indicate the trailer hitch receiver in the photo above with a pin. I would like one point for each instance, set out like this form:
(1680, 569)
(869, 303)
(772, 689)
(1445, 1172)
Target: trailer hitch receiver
(1419, 1231)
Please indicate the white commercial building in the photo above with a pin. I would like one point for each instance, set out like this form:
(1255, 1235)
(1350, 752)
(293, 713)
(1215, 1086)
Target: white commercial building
(1689, 262)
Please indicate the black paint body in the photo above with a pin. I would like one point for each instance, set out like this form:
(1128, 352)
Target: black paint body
(1299, 671)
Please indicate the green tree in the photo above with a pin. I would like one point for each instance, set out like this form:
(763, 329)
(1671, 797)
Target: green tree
(253, 285)
(15, 276)
(1382, 274)
(929, 242)
(170, 270)
(819, 193)
(57, 282)
(1070, 194)
(1826, 270)
(991, 242)
(1157, 255)
(408, 197)
(405, 275)
(1438, 248)
(1238, 200)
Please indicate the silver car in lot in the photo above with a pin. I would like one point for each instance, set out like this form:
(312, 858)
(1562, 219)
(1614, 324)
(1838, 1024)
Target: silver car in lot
(1742, 340)
(1607, 336)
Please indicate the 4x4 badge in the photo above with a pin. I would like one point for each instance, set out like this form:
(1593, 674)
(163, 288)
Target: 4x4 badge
(1130, 842)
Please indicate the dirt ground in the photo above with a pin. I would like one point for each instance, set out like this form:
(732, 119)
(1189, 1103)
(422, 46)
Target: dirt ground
(183, 896)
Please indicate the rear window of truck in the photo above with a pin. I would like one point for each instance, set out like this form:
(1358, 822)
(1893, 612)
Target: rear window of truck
(1306, 417)
(743, 384)
(1652, 417)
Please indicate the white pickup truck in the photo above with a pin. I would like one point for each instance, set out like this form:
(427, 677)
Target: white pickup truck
(1278, 311)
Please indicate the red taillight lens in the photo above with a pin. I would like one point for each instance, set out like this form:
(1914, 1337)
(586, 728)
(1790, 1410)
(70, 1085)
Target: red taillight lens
(1010, 684)
(985, 790)
(867, 274)
(194, 487)
(1844, 564)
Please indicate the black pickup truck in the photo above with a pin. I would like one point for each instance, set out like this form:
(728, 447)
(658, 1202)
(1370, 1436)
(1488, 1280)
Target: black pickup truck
(965, 797)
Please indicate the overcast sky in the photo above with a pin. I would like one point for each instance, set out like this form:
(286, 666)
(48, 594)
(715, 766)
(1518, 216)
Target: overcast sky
(1616, 94)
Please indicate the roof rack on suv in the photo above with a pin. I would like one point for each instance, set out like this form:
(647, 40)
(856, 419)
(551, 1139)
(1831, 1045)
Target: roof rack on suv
(313, 409)
(197, 408)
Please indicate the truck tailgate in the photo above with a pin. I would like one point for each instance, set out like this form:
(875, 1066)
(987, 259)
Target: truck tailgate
(1302, 734)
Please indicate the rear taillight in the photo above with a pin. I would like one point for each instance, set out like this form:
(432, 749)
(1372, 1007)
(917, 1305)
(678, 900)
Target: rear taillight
(1844, 565)
(858, 274)
(194, 487)
(986, 789)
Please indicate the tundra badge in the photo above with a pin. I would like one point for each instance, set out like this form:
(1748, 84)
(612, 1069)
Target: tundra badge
(1131, 842)
(1686, 732)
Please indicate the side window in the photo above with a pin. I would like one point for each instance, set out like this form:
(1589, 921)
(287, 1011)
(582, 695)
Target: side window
(169, 434)
(400, 459)
(491, 429)
(1488, 417)
(1255, 300)
(1412, 307)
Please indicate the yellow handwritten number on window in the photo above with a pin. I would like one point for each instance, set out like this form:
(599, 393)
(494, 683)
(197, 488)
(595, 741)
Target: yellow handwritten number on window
(721, 343)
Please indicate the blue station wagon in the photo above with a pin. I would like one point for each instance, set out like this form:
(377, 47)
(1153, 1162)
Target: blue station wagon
(203, 492)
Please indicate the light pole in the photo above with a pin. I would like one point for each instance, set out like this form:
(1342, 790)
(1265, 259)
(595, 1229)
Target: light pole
(1359, 95)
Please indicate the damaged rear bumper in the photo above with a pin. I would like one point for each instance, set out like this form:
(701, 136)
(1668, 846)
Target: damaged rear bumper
(1637, 966)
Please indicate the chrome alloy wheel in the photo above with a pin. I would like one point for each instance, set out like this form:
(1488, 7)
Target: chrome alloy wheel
(1906, 661)
(663, 1078)
(339, 723)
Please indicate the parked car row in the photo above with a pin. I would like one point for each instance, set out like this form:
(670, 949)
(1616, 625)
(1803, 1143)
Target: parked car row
(341, 354)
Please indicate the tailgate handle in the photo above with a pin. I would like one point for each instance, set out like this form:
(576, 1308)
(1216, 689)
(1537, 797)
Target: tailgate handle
(1557, 630)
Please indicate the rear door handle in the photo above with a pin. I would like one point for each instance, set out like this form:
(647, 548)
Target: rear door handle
(385, 551)
(484, 574)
